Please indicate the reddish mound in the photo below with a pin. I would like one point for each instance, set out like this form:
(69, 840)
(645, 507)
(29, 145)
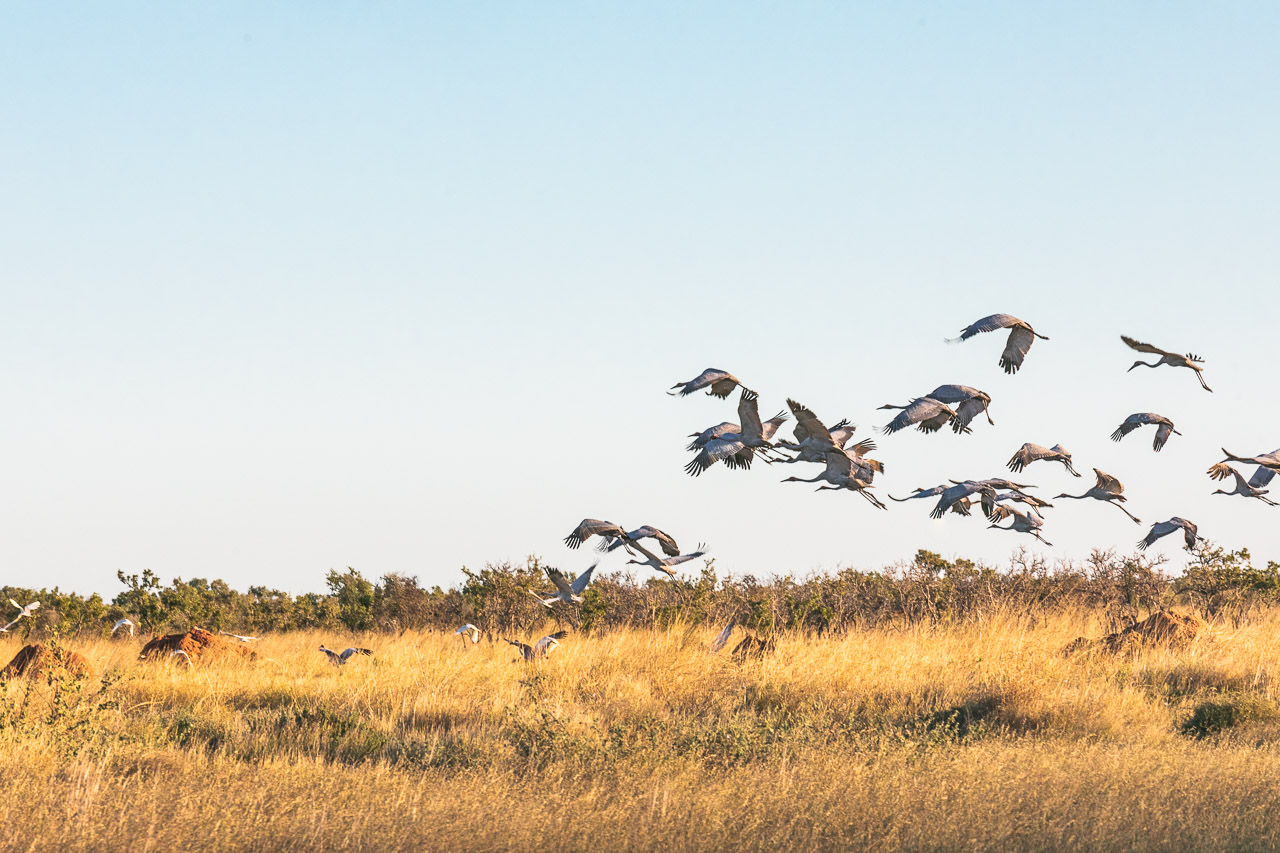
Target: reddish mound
(1167, 627)
(34, 660)
(196, 643)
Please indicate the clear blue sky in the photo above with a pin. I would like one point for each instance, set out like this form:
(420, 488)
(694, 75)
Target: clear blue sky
(400, 286)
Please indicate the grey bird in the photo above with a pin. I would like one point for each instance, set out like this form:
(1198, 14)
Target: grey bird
(665, 564)
(589, 527)
(1165, 428)
(1019, 496)
(840, 473)
(753, 437)
(1029, 453)
(540, 649)
(1164, 528)
(668, 544)
(722, 639)
(926, 413)
(1108, 489)
(1170, 358)
(968, 402)
(567, 592)
(957, 494)
(1023, 522)
(341, 658)
(1251, 488)
(720, 382)
(1270, 461)
(1018, 344)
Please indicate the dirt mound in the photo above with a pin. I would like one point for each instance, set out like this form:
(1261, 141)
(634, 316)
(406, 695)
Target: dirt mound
(37, 659)
(197, 643)
(1164, 628)
(753, 647)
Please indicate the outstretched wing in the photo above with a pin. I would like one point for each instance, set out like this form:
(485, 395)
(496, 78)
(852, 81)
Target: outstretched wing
(1162, 435)
(966, 412)
(722, 638)
(1016, 348)
(581, 581)
(560, 581)
(749, 415)
(717, 450)
(987, 324)
(1163, 528)
(1108, 483)
(1141, 347)
(347, 653)
(807, 423)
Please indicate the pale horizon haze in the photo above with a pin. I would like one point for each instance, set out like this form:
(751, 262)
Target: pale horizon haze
(402, 286)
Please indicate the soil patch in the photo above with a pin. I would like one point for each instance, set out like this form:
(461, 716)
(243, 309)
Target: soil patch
(1164, 628)
(197, 643)
(37, 659)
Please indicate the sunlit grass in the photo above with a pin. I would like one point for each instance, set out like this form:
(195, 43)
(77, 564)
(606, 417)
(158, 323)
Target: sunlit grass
(979, 735)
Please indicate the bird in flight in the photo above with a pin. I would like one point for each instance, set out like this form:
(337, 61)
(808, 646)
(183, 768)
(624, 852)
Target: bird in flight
(1018, 344)
(123, 623)
(540, 649)
(1251, 488)
(1165, 428)
(566, 591)
(1108, 489)
(1029, 453)
(468, 630)
(1170, 358)
(664, 564)
(721, 383)
(1164, 528)
(22, 611)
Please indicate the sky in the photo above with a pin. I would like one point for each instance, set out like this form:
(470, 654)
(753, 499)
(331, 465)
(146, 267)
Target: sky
(400, 286)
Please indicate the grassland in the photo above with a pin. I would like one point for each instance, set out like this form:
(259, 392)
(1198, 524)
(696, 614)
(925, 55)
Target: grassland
(971, 736)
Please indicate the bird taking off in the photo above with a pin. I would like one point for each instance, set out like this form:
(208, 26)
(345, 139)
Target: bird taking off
(1164, 528)
(123, 623)
(468, 631)
(594, 527)
(540, 649)
(1029, 453)
(1251, 488)
(341, 659)
(1142, 419)
(665, 564)
(1023, 522)
(1170, 358)
(721, 383)
(22, 611)
(737, 449)
(668, 544)
(1021, 337)
(565, 591)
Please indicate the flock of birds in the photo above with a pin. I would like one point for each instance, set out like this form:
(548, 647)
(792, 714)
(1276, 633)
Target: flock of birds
(849, 466)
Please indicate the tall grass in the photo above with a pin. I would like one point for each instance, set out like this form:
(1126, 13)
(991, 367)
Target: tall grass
(978, 735)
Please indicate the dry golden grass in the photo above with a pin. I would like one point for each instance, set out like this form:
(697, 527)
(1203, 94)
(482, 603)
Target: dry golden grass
(977, 736)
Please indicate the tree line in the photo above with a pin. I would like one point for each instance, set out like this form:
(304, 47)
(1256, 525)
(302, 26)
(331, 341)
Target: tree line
(928, 589)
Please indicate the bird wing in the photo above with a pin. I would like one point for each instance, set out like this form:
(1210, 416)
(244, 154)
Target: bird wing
(1261, 477)
(581, 581)
(1162, 435)
(683, 558)
(548, 642)
(717, 450)
(1163, 528)
(749, 415)
(988, 324)
(1016, 348)
(806, 420)
(722, 638)
(1141, 347)
(716, 431)
(1025, 455)
(966, 412)
(347, 653)
(525, 651)
(710, 376)
(862, 448)
(953, 393)
(1189, 533)
(918, 410)
(560, 581)
(590, 527)
(838, 462)
(668, 544)
(1108, 483)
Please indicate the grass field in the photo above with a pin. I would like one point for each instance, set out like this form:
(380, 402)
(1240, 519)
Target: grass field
(975, 736)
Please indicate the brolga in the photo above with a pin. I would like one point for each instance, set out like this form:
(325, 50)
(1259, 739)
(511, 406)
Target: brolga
(22, 612)
(720, 382)
(1108, 489)
(729, 433)
(1019, 496)
(1251, 488)
(968, 402)
(567, 592)
(589, 527)
(1029, 453)
(540, 649)
(1023, 522)
(1016, 347)
(1170, 358)
(664, 540)
(123, 623)
(958, 494)
(1270, 461)
(1164, 528)
(341, 658)
(926, 413)
(468, 632)
(665, 564)
(840, 473)
(813, 439)
(1164, 430)
(753, 436)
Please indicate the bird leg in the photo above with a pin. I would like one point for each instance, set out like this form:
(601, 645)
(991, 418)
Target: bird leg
(1136, 520)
